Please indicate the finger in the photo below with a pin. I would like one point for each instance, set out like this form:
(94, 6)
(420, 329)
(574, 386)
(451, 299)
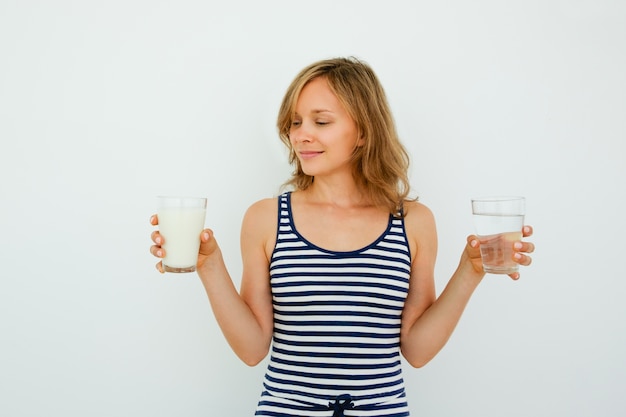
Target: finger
(522, 259)
(526, 247)
(527, 231)
(473, 242)
(157, 251)
(514, 276)
(154, 220)
(159, 267)
(473, 246)
(157, 238)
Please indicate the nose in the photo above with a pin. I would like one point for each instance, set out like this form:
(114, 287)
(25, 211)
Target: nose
(300, 134)
(300, 138)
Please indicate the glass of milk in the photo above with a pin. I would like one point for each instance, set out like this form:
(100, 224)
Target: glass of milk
(181, 220)
(498, 222)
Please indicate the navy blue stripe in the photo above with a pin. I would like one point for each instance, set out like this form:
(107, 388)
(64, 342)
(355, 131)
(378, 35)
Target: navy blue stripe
(373, 315)
(317, 333)
(335, 376)
(373, 257)
(337, 255)
(322, 293)
(339, 355)
(337, 323)
(334, 283)
(336, 387)
(318, 303)
(327, 344)
(328, 365)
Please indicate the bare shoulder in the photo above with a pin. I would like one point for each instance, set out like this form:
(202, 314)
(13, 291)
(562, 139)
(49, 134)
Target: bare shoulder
(260, 223)
(264, 207)
(418, 215)
(420, 227)
(262, 214)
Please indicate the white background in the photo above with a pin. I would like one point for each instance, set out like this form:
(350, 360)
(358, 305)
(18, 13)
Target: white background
(104, 105)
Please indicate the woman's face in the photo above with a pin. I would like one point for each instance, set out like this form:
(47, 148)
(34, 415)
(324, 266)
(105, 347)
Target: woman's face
(322, 133)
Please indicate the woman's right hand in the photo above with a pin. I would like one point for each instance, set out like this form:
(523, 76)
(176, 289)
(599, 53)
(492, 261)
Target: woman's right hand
(157, 249)
(208, 246)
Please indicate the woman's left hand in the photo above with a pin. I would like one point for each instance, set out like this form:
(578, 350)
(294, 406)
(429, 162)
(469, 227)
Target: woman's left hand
(521, 252)
(522, 249)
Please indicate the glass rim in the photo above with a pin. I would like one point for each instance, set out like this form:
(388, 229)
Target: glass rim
(179, 197)
(498, 198)
(181, 202)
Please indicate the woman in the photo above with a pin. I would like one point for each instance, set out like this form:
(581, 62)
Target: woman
(338, 272)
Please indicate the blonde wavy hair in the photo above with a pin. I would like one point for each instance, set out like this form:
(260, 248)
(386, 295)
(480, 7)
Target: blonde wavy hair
(380, 165)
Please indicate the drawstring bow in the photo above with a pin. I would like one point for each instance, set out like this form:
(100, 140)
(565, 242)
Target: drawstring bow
(342, 403)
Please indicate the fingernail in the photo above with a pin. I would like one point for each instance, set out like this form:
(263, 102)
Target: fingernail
(158, 240)
(159, 253)
(518, 245)
(206, 235)
(518, 256)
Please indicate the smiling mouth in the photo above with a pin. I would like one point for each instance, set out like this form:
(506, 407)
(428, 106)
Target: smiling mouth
(309, 154)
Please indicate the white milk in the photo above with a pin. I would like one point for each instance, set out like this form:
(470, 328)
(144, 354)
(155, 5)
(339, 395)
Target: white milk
(181, 228)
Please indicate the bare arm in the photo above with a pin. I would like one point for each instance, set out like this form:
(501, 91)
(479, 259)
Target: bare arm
(245, 317)
(428, 322)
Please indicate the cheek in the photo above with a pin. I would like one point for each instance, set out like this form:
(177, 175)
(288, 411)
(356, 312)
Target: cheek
(292, 140)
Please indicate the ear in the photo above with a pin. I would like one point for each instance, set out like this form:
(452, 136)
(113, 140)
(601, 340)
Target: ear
(360, 141)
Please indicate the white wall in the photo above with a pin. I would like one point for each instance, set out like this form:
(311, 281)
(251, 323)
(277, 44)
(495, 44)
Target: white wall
(104, 105)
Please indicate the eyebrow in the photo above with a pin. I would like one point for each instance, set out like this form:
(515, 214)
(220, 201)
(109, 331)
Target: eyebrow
(318, 111)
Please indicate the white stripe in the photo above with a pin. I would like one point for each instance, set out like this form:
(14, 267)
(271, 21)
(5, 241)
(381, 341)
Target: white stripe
(395, 262)
(352, 318)
(389, 362)
(338, 371)
(339, 308)
(336, 350)
(330, 328)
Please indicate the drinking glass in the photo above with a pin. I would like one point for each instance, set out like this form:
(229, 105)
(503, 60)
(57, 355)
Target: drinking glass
(498, 222)
(181, 220)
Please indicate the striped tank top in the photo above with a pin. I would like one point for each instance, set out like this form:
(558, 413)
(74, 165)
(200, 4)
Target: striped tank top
(336, 343)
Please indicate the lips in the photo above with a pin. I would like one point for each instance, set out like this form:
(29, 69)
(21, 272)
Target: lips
(309, 154)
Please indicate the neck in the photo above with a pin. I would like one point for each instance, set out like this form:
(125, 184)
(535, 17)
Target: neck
(336, 193)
